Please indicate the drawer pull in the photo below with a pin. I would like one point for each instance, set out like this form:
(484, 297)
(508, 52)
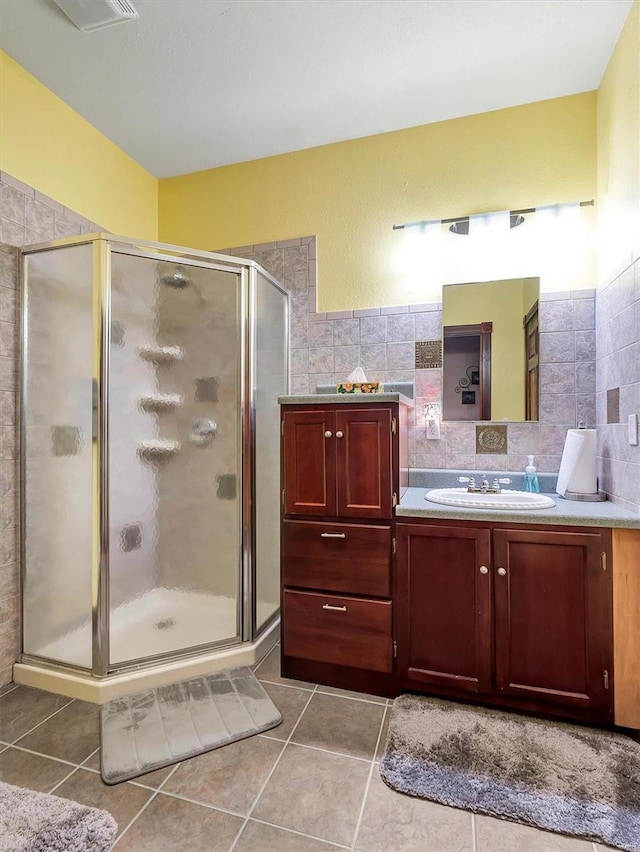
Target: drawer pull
(335, 608)
(333, 535)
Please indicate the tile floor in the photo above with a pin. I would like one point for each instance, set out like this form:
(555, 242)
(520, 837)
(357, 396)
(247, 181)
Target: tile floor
(309, 785)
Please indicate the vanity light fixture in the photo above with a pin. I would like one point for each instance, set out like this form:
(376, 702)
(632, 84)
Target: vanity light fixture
(460, 224)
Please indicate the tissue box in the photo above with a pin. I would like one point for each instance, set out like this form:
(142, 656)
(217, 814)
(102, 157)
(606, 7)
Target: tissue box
(360, 387)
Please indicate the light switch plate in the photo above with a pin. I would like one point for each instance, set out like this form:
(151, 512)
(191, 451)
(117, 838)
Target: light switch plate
(632, 424)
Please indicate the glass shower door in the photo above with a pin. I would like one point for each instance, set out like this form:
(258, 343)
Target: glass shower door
(174, 457)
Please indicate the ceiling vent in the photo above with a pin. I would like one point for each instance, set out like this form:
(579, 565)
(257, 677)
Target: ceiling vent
(90, 15)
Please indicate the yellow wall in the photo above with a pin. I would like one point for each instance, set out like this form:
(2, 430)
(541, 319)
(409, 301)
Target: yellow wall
(53, 149)
(504, 303)
(618, 112)
(351, 193)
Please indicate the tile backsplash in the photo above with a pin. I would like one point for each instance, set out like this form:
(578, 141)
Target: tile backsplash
(618, 383)
(326, 347)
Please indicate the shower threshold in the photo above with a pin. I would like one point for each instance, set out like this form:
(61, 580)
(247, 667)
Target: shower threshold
(87, 688)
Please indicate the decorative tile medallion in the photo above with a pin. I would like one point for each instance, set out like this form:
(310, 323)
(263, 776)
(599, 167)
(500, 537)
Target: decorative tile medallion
(491, 439)
(428, 354)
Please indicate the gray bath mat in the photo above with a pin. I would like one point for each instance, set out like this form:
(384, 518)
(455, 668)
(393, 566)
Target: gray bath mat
(162, 726)
(552, 775)
(38, 822)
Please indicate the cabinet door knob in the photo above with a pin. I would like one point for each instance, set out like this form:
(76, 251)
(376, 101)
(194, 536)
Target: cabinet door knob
(484, 569)
(335, 608)
(328, 434)
(502, 571)
(339, 434)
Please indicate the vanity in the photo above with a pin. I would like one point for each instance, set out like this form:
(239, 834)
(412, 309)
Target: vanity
(384, 592)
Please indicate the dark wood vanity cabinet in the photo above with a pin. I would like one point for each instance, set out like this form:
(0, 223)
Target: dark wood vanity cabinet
(522, 617)
(337, 461)
(341, 481)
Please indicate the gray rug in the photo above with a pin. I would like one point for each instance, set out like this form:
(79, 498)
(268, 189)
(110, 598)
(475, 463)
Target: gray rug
(162, 726)
(559, 777)
(38, 822)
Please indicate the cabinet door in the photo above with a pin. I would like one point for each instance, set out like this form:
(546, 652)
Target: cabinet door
(553, 619)
(444, 606)
(309, 462)
(363, 457)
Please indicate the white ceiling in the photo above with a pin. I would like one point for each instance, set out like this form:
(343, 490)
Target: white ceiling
(194, 84)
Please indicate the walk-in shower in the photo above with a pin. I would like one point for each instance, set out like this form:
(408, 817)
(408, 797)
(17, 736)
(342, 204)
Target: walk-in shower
(150, 455)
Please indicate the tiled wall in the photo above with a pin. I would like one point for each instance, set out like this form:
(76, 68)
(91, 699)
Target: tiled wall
(26, 216)
(618, 366)
(326, 347)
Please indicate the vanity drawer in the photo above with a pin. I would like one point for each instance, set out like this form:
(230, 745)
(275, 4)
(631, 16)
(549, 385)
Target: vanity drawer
(353, 632)
(351, 558)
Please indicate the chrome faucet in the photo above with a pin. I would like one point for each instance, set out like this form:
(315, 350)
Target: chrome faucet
(484, 488)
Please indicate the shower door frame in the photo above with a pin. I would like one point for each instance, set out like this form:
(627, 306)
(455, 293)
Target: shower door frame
(104, 245)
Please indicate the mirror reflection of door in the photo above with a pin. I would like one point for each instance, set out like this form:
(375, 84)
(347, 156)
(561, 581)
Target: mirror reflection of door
(531, 354)
(505, 366)
(467, 372)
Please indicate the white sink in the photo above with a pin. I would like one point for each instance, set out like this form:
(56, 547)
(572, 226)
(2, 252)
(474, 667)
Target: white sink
(522, 500)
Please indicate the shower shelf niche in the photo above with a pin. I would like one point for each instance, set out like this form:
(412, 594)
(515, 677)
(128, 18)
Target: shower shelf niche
(160, 401)
(161, 354)
(157, 449)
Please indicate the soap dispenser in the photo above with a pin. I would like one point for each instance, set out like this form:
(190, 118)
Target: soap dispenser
(531, 478)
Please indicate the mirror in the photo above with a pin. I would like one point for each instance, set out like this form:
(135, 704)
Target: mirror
(490, 350)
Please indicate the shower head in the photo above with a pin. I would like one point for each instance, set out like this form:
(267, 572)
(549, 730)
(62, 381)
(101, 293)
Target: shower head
(177, 279)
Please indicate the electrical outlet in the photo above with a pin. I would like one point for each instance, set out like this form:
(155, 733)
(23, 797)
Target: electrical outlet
(632, 424)
(433, 430)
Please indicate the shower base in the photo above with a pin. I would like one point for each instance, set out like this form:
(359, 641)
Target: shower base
(160, 622)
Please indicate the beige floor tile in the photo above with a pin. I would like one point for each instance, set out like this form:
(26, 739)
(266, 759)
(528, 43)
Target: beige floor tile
(347, 693)
(257, 837)
(122, 801)
(290, 702)
(499, 835)
(171, 825)
(153, 779)
(383, 734)
(393, 821)
(23, 708)
(316, 793)
(269, 669)
(341, 725)
(72, 734)
(30, 770)
(228, 777)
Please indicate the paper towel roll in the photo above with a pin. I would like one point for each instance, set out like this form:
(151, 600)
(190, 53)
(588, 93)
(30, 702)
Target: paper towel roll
(578, 465)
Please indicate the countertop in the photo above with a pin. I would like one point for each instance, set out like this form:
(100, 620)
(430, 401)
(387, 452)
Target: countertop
(357, 398)
(606, 514)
